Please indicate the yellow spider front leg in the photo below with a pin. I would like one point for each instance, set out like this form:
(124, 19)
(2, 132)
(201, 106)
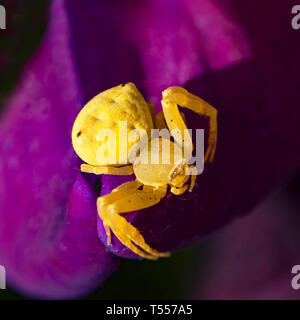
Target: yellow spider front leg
(174, 96)
(120, 171)
(127, 198)
(192, 183)
(178, 191)
(160, 120)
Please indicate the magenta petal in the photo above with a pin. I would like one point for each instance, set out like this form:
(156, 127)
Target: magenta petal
(48, 250)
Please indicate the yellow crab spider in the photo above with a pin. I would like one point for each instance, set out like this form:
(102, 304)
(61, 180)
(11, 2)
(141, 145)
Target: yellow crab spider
(125, 103)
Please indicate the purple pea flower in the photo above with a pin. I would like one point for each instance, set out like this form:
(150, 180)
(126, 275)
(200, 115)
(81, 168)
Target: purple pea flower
(215, 49)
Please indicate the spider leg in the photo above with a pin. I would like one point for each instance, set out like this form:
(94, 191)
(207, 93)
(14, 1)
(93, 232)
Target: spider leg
(174, 96)
(178, 191)
(122, 171)
(160, 120)
(126, 241)
(107, 231)
(127, 198)
(192, 183)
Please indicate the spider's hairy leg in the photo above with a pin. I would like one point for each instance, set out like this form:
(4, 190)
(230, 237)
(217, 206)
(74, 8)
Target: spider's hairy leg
(121, 171)
(193, 176)
(160, 120)
(180, 96)
(175, 122)
(107, 231)
(104, 201)
(178, 191)
(127, 198)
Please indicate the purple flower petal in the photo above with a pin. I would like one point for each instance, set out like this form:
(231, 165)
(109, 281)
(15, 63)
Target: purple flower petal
(50, 248)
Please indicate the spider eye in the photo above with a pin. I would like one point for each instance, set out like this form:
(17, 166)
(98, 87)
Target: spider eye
(78, 134)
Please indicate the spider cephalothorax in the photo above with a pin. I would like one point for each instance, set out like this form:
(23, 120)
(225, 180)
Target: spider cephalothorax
(109, 110)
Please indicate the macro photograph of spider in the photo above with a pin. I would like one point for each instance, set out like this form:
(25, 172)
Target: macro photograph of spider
(149, 151)
(152, 180)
